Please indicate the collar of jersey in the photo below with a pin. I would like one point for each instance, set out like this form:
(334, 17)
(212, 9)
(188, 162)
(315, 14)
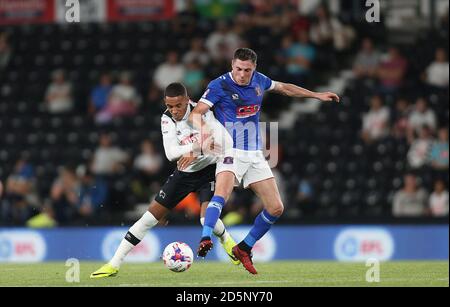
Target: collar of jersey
(251, 79)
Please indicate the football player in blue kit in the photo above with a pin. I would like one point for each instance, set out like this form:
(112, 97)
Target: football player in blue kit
(236, 99)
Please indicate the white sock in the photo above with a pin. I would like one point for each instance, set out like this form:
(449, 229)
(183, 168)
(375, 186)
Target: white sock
(134, 235)
(219, 229)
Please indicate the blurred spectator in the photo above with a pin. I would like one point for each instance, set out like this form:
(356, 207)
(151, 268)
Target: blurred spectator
(239, 207)
(305, 196)
(58, 96)
(123, 100)
(443, 23)
(244, 13)
(298, 23)
(329, 31)
(411, 201)
(197, 53)
(65, 196)
(108, 159)
(400, 126)
(194, 78)
(222, 43)
(299, 57)
(376, 121)
(420, 148)
(439, 151)
(282, 54)
(100, 94)
(20, 198)
(93, 193)
(1, 189)
(154, 103)
(438, 203)
(437, 73)
(367, 60)
(267, 16)
(391, 71)
(5, 50)
(421, 116)
(149, 160)
(189, 207)
(187, 18)
(169, 71)
(147, 166)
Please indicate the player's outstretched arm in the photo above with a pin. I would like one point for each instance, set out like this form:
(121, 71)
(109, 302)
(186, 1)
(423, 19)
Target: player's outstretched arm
(292, 90)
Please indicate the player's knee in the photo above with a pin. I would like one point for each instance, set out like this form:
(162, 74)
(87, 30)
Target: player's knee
(224, 185)
(157, 210)
(277, 209)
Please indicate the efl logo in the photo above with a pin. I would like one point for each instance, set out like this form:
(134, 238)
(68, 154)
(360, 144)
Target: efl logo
(21, 246)
(360, 244)
(147, 250)
(263, 251)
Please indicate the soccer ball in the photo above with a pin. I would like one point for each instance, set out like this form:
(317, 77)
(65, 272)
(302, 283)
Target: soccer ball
(178, 256)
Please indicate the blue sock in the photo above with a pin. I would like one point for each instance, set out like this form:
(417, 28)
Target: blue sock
(212, 215)
(262, 224)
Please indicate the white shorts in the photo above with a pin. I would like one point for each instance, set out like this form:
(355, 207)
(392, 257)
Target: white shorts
(248, 166)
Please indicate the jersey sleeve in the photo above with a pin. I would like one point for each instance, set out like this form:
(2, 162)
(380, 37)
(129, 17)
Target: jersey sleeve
(212, 94)
(267, 83)
(172, 148)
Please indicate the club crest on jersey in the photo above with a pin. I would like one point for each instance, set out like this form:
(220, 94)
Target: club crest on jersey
(228, 160)
(162, 194)
(235, 97)
(258, 91)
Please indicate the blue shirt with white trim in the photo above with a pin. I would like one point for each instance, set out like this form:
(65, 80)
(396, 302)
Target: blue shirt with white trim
(238, 107)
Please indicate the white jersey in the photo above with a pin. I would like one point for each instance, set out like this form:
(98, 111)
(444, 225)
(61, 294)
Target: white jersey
(179, 138)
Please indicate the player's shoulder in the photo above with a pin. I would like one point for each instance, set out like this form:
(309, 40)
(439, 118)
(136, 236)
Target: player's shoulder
(215, 83)
(166, 118)
(261, 76)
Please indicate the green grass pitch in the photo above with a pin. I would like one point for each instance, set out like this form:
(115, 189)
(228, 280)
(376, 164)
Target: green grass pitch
(219, 274)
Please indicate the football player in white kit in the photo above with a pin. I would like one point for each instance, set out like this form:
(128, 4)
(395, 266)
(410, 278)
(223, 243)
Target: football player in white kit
(196, 168)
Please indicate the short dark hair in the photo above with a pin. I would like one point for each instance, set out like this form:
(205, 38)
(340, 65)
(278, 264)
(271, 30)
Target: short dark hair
(245, 54)
(175, 89)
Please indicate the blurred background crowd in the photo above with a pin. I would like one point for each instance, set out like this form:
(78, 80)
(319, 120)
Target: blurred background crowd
(80, 108)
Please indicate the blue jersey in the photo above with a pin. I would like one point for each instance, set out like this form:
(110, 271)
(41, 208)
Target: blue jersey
(238, 107)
